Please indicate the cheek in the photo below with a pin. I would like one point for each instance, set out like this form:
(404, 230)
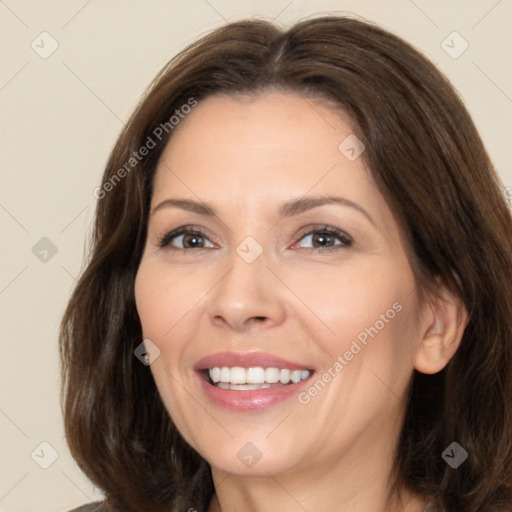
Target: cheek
(151, 299)
(364, 315)
(353, 301)
(164, 298)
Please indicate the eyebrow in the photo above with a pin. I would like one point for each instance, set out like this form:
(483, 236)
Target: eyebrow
(287, 209)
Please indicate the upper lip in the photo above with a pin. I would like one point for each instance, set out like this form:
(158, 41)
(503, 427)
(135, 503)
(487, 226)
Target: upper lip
(247, 360)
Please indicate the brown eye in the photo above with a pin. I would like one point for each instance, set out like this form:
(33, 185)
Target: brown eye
(185, 239)
(326, 238)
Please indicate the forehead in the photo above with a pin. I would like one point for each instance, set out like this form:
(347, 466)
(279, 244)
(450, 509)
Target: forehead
(247, 156)
(274, 138)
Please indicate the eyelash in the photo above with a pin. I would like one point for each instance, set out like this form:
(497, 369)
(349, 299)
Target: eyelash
(346, 240)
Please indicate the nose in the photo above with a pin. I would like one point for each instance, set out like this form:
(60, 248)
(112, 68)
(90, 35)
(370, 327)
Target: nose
(249, 294)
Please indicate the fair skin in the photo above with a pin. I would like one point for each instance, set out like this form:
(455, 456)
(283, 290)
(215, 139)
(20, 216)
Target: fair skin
(334, 450)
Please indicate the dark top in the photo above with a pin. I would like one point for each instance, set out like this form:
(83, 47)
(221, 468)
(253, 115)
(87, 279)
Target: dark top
(98, 506)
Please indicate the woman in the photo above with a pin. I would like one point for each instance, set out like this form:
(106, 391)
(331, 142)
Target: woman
(298, 293)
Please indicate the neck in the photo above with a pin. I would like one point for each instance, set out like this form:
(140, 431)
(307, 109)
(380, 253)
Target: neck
(359, 479)
(271, 494)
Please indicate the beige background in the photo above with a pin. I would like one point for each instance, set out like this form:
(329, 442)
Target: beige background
(61, 115)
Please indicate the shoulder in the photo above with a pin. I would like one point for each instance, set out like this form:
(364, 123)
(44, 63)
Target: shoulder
(97, 506)
(429, 507)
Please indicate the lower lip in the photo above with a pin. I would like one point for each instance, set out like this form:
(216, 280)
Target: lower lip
(252, 400)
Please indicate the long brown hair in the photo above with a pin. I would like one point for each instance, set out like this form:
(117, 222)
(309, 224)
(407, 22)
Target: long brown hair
(430, 164)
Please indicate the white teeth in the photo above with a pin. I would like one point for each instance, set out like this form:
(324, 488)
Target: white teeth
(237, 375)
(254, 378)
(272, 375)
(284, 376)
(224, 374)
(296, 376)
(215, 374)
(247, 387)
(255, 375)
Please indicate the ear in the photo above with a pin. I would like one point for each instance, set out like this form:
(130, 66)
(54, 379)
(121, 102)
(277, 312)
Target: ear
(442, 325)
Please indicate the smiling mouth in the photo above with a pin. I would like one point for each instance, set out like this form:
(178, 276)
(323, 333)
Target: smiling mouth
(250, 379)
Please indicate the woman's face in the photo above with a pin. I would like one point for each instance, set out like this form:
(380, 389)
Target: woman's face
(286, 265)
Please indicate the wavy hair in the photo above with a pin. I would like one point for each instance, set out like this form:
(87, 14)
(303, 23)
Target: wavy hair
(431, 166)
